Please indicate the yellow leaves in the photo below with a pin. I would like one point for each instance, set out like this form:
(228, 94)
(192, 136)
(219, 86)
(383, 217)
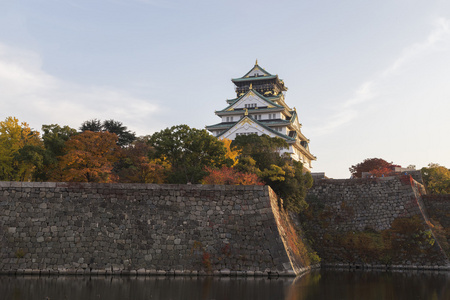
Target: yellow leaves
(14, 136)
(17, 135)
(231, 154)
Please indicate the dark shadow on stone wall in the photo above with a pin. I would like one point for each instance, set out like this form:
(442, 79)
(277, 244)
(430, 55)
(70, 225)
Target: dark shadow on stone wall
(380, 222)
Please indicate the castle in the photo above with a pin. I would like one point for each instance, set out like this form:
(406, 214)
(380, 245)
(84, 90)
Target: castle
(260, 108)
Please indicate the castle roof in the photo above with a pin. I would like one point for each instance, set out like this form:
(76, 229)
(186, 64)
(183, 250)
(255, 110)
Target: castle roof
(247, 119)
(270, 103)
(257, 73)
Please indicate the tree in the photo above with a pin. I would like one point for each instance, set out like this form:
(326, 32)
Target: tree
(125, 137)
(136, 166)
(93, 125)
(377, 166)
(20, 150)
(436, 179)
(260, 155)
(263, 149)
(189, 151)
(54, 138)
(232, 153)
(90, 157)
(29, 161)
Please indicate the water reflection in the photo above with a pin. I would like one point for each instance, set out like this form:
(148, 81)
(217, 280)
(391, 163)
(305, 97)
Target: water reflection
(160, 288)
(325, 284)
(335, 284)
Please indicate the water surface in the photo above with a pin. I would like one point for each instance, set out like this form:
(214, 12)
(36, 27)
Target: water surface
(323, 284)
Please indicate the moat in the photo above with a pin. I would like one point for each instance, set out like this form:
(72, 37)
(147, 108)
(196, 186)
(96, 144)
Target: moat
(318, 284)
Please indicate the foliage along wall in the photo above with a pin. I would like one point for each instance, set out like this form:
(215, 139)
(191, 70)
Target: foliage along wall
(379, 221)
(438, 208)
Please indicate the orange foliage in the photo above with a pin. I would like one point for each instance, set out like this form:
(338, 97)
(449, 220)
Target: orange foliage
(229, 176)
(90, 157)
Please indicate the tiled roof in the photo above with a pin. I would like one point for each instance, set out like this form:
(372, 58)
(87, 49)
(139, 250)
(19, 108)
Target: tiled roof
(258, 94)
(279, 134)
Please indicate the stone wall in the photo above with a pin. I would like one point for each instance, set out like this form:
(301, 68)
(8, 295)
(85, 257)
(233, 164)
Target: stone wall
(367, 222)
(143, 229)
(438, 208)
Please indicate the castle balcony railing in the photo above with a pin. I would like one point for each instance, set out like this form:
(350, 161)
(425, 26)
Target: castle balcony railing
(265, 87)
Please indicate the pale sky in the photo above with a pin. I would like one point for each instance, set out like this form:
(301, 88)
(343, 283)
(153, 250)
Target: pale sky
(368, 78)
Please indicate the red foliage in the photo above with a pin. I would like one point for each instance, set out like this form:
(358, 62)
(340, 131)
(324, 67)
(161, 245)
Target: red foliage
(376, 166)
(381, 172)
(229, 176)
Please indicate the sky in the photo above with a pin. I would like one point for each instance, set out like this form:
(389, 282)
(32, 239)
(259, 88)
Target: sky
(368, 78)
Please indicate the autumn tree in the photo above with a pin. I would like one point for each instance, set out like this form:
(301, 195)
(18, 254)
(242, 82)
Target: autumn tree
(125, 136)
(136, 165)
(232, 153)
(21, 150)
(90, 157)
(436, 179)
(376, 166)
(189, 151)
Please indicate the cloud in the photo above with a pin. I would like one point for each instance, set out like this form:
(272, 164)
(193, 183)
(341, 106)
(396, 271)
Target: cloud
(37, 97)
(437, 40)
(378, 86)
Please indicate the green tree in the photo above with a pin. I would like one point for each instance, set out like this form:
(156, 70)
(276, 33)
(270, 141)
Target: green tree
(93, 125)
(260, 155)
(20, 150)
(125, 137)
(189, 151)
(54, 138)
(263, 149)
(436, 179)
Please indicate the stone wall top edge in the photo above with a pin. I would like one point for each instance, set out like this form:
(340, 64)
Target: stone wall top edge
(140, 186)
(355, 181)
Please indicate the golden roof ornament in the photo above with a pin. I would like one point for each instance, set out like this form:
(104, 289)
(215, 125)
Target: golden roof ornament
(246, 112)
(256, 63)
(251, 86)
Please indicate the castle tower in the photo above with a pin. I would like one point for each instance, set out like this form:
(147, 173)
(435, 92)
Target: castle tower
(259, 108)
